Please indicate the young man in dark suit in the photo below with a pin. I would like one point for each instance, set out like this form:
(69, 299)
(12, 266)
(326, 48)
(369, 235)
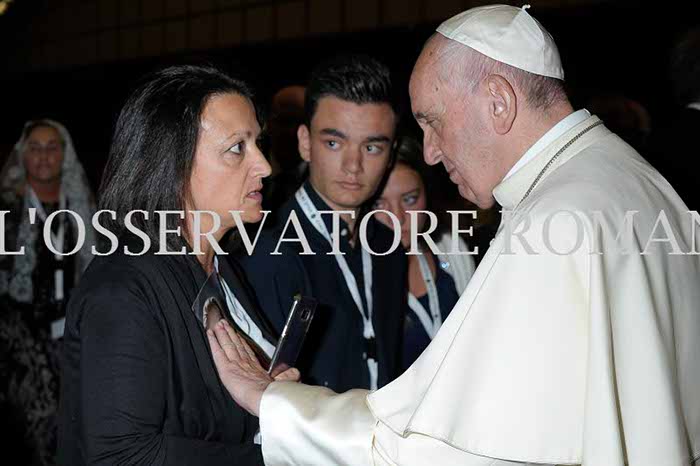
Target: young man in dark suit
(347, 139)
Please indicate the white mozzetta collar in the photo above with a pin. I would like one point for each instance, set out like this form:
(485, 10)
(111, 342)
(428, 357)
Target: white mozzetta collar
(550, 136)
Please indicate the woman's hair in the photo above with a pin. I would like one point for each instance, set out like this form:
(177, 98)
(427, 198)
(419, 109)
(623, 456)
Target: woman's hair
(154, 144)
(409, 152)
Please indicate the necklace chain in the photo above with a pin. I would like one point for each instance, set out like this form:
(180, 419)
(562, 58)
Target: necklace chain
(555, 157)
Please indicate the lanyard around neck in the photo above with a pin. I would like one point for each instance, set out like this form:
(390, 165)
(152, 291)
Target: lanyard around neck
(431, 321)
(312, 214)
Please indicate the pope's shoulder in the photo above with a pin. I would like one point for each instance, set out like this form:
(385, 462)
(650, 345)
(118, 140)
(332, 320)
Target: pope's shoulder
(608, 176)
(607, 184)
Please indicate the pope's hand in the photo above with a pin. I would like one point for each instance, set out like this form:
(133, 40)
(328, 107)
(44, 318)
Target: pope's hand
(239, 369)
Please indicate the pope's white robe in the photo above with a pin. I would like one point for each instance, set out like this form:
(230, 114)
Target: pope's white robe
(554, 354)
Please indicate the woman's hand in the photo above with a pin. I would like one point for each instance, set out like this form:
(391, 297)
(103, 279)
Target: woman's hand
(239, 369)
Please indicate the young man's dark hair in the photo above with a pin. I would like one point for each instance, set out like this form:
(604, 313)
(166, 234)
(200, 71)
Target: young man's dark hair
(359, 79)
(155, 141)
(685, 67)
(677, 133)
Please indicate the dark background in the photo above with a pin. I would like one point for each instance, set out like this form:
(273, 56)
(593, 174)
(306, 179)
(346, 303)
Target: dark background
(606, 46)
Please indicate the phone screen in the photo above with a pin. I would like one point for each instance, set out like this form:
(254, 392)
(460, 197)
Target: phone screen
(293, 335)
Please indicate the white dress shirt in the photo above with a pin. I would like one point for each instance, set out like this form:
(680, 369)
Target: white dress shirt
(242, 319)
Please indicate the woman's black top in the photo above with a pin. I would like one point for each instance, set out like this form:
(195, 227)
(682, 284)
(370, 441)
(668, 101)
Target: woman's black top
(415, 337)
(139, 383)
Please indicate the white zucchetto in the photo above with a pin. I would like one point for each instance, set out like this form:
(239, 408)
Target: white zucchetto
(506, 34)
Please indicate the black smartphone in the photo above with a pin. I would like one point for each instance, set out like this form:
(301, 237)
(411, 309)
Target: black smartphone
(293, 335)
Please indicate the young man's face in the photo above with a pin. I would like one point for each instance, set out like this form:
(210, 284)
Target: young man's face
(347, 147)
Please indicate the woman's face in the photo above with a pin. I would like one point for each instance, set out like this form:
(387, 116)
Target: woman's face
(43, 155)
(228, 166)
(404, 191)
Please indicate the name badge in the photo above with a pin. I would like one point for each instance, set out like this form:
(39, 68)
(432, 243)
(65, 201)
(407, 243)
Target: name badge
(58, 284)
(57, 327)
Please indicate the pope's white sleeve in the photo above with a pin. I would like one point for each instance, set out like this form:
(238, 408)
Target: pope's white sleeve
(307, 425)
(314, 426)
(390, 449)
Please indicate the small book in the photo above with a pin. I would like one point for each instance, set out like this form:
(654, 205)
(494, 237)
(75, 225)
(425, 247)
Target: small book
(210, 307)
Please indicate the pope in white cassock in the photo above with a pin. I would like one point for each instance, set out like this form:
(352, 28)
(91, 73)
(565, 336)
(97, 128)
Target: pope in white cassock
(577, 340)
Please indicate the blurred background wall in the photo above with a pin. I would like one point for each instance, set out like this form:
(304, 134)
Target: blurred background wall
(77, 60)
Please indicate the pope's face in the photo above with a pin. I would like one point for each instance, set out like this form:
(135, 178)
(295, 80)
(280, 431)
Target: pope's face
(454, 131)
(347, 147)
(228, 166)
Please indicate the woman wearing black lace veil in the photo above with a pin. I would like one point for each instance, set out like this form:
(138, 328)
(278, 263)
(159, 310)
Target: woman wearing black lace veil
(43, 173)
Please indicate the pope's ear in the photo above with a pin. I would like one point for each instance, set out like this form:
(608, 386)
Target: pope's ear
(304, 142)
(502, 103)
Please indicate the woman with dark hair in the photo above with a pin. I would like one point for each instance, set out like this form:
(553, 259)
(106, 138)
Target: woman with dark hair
(434, 282)
(139, 384)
